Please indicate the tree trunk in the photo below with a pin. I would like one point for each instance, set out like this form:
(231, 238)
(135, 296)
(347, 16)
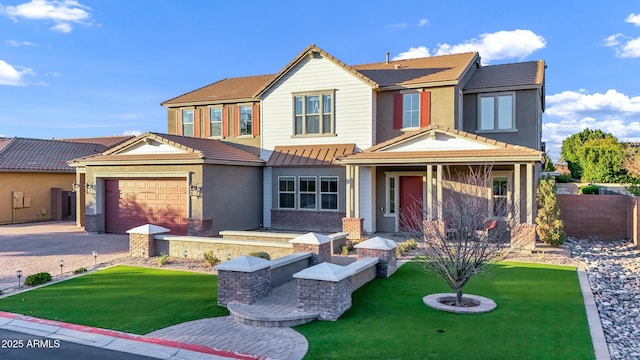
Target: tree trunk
(459, 298)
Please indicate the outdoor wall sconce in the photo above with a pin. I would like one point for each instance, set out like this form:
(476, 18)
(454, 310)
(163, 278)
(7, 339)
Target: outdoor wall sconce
(95, 259)
(88, 187)
(61, 266)
(19, 275)
(195, 190)
(75, 187)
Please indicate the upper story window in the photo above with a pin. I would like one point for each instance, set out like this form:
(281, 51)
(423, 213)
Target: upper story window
(412, 110)
(496, 111)
(246, 120)
(215, 121)
(313, 114)
(187, 122)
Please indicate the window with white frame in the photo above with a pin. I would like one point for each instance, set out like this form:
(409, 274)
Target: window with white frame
(215, 121)
(313, 114)
(391, 195)
(307, 192)
(496, 111)
(500, 201)
(187, 122)
(287, 192)
(329, 193)
(246, 120)
(411, 110)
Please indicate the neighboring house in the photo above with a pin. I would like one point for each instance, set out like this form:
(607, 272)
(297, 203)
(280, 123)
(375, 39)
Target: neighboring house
(187, 184)
(36, 180)
(341, 147)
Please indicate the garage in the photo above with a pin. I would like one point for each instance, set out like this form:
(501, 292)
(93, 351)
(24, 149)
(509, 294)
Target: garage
(134, 202)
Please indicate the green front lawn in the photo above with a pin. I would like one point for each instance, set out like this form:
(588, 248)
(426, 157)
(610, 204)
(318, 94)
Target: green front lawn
(131, 299)
(540, 315)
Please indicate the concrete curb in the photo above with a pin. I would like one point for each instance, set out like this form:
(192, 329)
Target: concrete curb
(593, 317)
(114, 340)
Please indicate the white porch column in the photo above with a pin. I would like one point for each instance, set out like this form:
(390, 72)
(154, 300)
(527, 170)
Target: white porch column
(429, 192)
(349, 190)
(517, 194)
(439, 191)
(356, 191)
(530, 193)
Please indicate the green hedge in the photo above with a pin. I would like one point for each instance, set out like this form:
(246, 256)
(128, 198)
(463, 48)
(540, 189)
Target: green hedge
(590, 190)
(37, 279)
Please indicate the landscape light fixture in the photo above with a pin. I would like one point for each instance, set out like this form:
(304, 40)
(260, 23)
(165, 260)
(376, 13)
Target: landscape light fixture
(61, 266)
(95, 258)
(229, 256)
(142, 252)
(185, 259)
(19, 275)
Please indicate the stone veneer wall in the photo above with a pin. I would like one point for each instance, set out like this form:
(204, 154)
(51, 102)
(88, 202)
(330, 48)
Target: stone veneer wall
(330, 299)
(229, 249)
(387, 265)
(353, 226)
(360, 278)
(305, 220)
(200, 227)
(141, 245)
(91, 223)
(243, 287)
(321, 253)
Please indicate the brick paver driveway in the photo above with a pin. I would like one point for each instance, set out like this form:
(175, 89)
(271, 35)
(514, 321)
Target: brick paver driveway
(37, 247)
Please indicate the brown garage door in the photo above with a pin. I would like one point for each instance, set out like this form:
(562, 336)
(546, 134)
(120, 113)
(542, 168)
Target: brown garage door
(134, 202)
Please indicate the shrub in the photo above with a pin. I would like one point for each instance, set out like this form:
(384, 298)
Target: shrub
(80, 271)
(563, 178)
(404, 247)
(590, 190)
(163, 259)
(344, 250)
(261, 254)
(37, 279)
(550, 228)
(210, 259)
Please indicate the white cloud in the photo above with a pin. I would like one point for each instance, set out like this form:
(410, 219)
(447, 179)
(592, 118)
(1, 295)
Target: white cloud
(13, 75)
(499, 45)
(612, 40)
(62, 12)
(630, 49)
(132, 132)
(423, 22)
(633, 19)
(570, 112)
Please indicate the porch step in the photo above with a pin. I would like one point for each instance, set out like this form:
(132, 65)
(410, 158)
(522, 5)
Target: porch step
(250, 315)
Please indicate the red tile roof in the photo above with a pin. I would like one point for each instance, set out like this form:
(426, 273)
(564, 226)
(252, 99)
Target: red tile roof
(508, 75)
(202, 150)
(309, 155)
(223, 90)
(39, 155)
(108, 141)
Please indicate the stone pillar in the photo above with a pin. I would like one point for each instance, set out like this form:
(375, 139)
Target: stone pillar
(200, 227)
(141, 240)
(523, 237)
(245, 279)
(318, 244)
(383, 249)
(91, 223)
(325, 289)
(354, 226)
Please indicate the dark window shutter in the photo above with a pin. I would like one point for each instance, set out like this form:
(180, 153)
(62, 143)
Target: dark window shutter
(425, 108)
(225, 121)
(397, 111)
(256, 120)
(236, 121)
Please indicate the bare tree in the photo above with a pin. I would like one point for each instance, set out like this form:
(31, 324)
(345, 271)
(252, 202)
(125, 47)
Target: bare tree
(474, 227)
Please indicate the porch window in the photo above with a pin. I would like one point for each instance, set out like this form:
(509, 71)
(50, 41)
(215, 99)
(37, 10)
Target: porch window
(286, 192)
(246, 120)
(215, 120)
(307, 192)
(187, 122)
(496, 111)
(500, 196)
(391, 196)
(329, 193)
(313, 114)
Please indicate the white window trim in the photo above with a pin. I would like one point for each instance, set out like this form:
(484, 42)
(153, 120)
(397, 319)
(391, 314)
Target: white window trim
(240, 134)
(332, 131)
(221, 121)
(509, 176)
(320, 193)
(411, 128)
(495, 96)
(315, 179)
(295, 180)
(193, 120)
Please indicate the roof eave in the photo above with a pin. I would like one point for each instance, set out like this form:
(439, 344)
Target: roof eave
(212, 102)
(502, 88)
(439, 160)
(419, 85)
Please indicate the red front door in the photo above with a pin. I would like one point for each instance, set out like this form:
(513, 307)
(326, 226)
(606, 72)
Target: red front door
(411, 202)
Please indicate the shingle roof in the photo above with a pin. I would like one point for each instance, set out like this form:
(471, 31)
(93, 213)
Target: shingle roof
(208, 150)
(500, 150)
(507, 75)
(108, 141)
(418, 71)
(39, 155)
(226, 89)
(308, 155)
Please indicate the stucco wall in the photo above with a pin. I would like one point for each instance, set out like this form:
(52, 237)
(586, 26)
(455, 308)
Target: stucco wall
(36, 187)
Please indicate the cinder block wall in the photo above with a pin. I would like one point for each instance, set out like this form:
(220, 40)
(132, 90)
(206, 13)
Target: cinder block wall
(606, 216)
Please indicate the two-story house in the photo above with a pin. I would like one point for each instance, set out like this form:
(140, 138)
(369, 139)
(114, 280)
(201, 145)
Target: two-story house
(347, 147)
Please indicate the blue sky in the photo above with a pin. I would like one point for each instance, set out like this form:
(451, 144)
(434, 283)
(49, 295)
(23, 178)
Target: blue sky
(98, 68)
